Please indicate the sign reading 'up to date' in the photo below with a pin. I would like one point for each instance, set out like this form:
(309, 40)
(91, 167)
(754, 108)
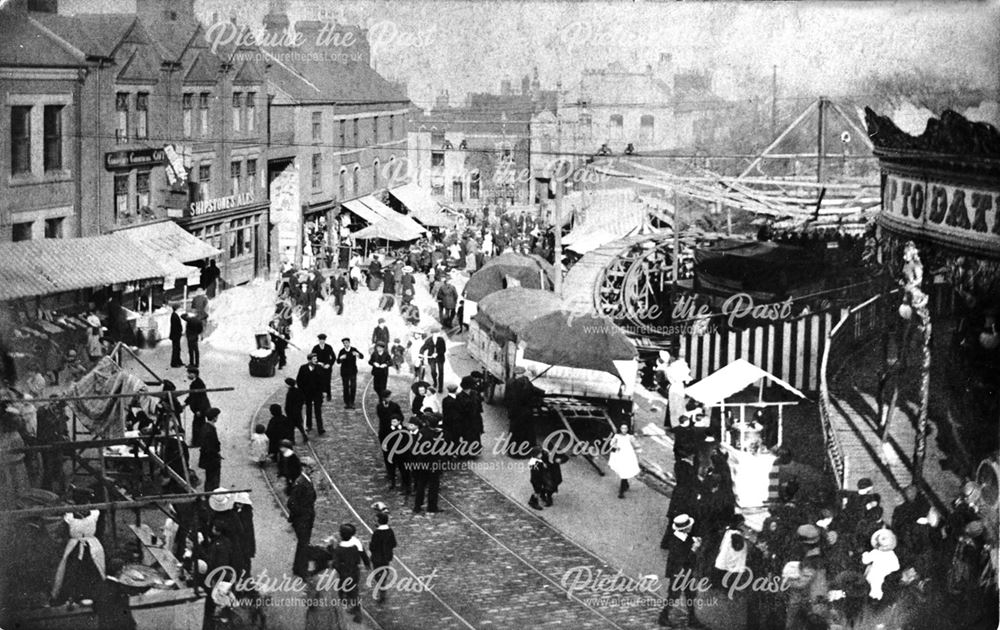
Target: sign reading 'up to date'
(964, 216)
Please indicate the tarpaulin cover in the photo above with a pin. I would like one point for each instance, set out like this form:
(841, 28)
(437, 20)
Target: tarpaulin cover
(504, 314)
(730, 380)
(570, 339)
(103, 417)
(530, 272)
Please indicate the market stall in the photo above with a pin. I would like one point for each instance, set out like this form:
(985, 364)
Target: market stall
(733, 389)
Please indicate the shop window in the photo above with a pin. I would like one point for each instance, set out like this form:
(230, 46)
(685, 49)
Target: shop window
(251, 111)
(474, 186)
(437, 138)
(142, 193)
(54, 227)
(188, 104)
(342, 133)
(437, 159)
(20, 139)
(317, 126)
(21, 232)
(317, 171)
(234, 176)
(142, 115)
(237, 110)
(121, 108)
(251, 175)
(53, 139)
(203, 109)
(121, 197)
(456, 191)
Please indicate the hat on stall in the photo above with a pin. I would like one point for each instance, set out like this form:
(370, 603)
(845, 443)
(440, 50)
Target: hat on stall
(93, 320)
(884, 540)
(242, 498)
(221, 502)
(808, 534)
(407, 269)
(212, 413)
(379, 506)
(321, 336)
(682, 523)
(865, 484)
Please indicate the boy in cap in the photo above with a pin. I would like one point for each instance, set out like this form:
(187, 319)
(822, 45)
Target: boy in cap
(380, 362)
(380, 333)
(382, 544)
(347, 558)
(312, 380)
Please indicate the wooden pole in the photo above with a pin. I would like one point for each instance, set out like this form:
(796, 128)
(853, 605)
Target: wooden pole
(777, 140)
(820, 140)
(190, 497)
(677, 241)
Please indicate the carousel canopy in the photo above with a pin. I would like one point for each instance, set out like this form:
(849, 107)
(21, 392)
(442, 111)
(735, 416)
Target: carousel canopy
(507, 271)
(583, 341)
(504, 314)
(421, 206)
(730, 380)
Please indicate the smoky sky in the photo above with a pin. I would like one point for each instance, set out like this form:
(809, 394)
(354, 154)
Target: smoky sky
(819, 47)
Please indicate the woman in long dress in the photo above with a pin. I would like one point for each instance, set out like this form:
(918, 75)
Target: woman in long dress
(82, 568)
(623, 460)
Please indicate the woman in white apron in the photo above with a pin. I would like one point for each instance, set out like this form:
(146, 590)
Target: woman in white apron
(81, 571)
(623, 460)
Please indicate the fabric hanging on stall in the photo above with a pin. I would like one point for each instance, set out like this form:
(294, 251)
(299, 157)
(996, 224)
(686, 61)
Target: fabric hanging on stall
(104, 417)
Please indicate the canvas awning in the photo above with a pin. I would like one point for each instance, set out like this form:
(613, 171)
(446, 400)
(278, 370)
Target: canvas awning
(730, 380)
(171, 246)
(389, 214)
(49, 266)
(359, 208)
(387, 229)
(421, 206)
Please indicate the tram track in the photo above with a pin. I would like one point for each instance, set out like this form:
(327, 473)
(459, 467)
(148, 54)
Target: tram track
(497, 555)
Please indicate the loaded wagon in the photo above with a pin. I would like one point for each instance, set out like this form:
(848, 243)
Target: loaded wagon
(585, 365)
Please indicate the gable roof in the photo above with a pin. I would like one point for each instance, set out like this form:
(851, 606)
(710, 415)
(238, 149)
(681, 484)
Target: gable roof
(93, 35)
(350, 82)
(249, 73)
(26, 43)
(204, 68)
(142, 67)
(173, 38)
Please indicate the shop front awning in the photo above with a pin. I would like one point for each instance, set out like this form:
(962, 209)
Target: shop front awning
(388, 230)
(364, 212)
(49, 266)
(391, 215)
(421, 206)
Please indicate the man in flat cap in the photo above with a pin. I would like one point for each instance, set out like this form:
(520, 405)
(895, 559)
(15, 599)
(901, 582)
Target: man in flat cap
(310, 380)
(302, 514)
(348, 360)
(325, 357)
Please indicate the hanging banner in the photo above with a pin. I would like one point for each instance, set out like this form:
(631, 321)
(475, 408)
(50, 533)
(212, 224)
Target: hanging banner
(286, 213)
(966, 217)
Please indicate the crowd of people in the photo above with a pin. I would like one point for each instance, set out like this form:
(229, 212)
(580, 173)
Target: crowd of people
(841, 561)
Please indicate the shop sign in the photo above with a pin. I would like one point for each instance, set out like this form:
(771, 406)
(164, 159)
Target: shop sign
(961, 215)
(128, 159)
(221, 203)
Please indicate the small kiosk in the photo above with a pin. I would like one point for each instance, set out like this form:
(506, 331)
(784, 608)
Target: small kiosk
(750, 459)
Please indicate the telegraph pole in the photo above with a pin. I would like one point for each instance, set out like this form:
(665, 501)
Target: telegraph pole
(557, 249)
(820, 140)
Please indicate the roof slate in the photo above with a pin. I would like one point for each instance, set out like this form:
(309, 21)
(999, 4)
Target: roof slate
(93, 35)
(26, 43)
